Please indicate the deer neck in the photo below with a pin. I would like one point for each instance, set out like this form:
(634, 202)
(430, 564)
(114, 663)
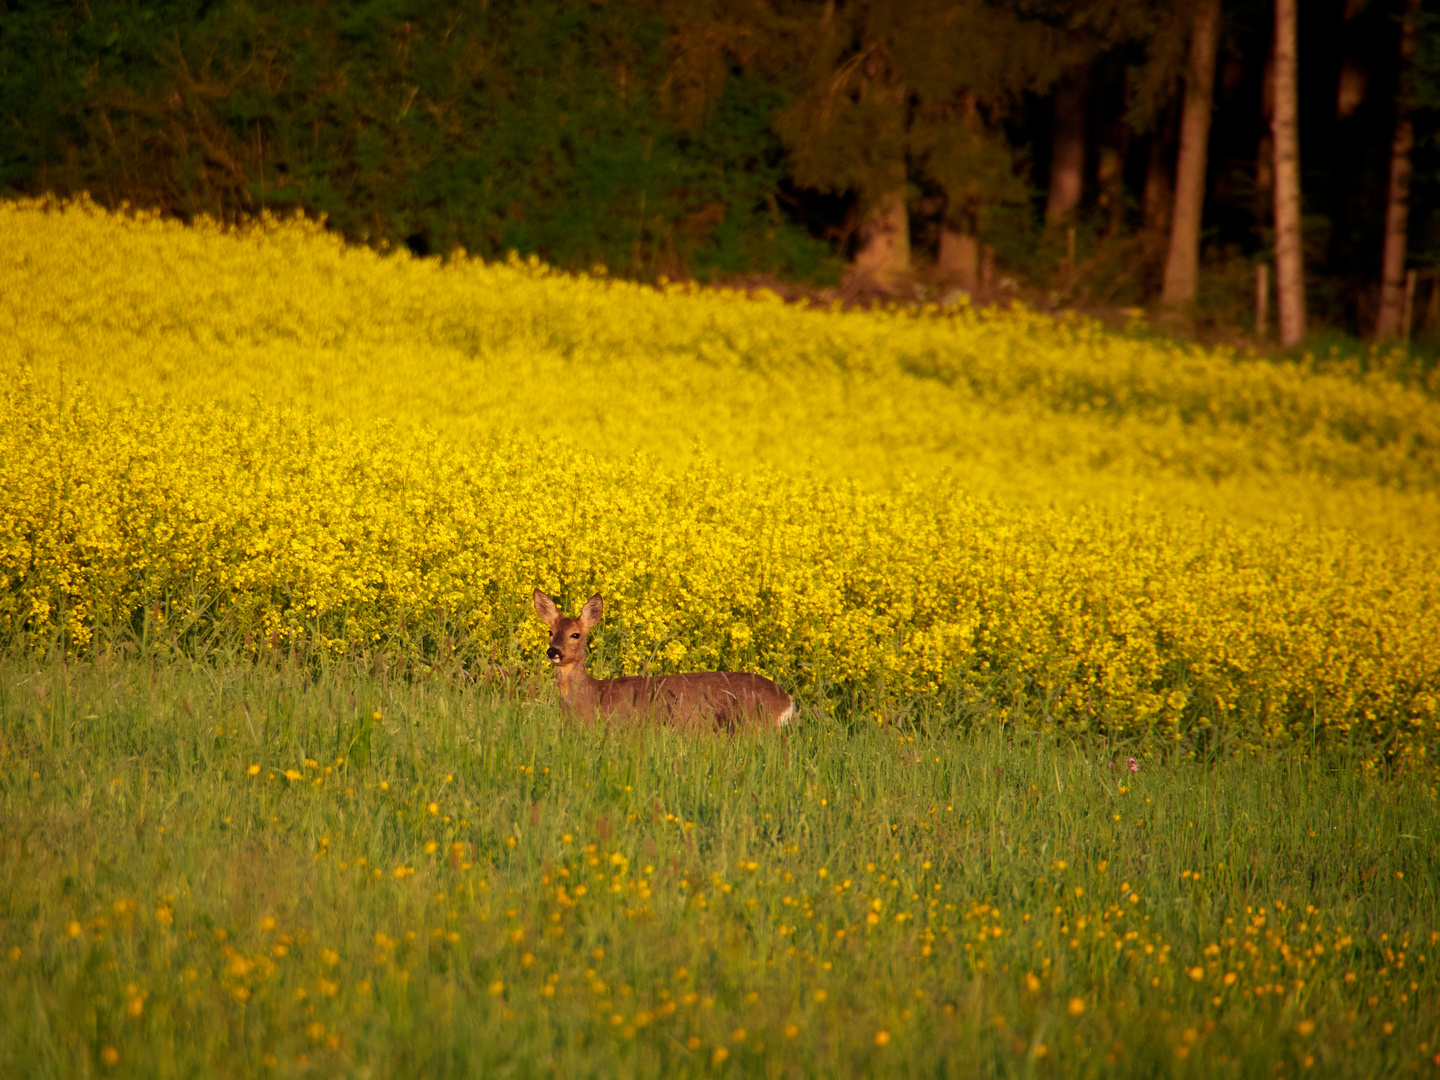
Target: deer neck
(577, 686)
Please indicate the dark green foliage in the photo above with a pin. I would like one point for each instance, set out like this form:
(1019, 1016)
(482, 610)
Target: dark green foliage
(534, 126)
(721, 138)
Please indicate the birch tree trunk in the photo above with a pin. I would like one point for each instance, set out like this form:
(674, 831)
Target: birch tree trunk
(1284, 128)
(1067, 153)
(1182, 263)
(1397, 209)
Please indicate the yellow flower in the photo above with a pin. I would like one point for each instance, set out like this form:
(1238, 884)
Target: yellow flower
(294, 774)
(1306, 1027)
(1197, 973)
(109, 1055)
(1077, 1006)
(497, 987)
(73, 928)
(720, 1055)
(882, 1038)
(886, 590)
(253, 770)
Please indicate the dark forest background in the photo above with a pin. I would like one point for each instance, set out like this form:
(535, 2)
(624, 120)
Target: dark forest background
(1026, 145)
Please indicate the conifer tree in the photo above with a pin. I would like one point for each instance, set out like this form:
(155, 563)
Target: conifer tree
(895, 94)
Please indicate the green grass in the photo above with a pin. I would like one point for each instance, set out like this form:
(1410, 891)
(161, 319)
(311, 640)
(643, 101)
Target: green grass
(142, 863)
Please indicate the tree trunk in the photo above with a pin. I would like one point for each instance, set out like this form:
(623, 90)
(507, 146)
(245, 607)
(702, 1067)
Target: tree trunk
(1182, 263)
(959, 259)
(1397, 210)
(884, 252)
(1284, 126)
(1067, 143)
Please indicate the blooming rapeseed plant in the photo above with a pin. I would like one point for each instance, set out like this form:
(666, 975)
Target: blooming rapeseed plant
(314, 446)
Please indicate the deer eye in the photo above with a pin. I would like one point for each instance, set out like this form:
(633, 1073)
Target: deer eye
(574, 635)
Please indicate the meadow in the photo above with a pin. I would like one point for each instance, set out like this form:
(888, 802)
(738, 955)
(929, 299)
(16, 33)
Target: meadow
(1116, 660)
(273, 871)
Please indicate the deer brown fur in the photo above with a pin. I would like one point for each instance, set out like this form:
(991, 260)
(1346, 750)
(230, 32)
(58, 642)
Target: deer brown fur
(722, 699)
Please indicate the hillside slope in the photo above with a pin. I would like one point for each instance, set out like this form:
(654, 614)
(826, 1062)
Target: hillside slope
(1013, 405)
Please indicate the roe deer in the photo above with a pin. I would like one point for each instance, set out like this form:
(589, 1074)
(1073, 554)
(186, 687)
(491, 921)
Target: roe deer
(725, 698)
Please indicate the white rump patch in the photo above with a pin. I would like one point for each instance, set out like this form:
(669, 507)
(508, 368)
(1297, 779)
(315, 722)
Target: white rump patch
(783, 720)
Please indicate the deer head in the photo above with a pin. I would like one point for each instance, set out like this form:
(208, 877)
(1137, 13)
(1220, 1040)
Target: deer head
(567, 636)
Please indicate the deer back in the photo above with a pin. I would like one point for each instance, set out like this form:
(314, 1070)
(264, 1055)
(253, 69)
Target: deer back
(724, 699)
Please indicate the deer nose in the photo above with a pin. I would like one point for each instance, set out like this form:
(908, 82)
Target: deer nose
(552, 653)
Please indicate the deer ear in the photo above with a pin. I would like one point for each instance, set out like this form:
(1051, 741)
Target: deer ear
(546, 609)
(590, 613)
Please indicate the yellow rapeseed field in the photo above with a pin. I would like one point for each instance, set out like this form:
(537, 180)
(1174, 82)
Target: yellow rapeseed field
(265, 439)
